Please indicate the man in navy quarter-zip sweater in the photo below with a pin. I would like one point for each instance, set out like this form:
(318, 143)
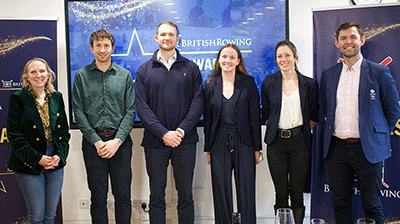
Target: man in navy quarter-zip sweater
(169, 102)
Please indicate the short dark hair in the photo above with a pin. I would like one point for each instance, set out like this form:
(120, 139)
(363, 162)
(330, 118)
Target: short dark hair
(348, 25)
(168, 23)
(101, 34)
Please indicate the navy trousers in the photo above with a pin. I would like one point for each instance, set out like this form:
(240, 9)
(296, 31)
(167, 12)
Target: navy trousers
(347, 161)
(229, 153)
(183, 160)
(119, 169)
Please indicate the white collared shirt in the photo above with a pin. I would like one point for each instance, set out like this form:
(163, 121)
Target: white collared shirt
(170, 61)
(347, 113)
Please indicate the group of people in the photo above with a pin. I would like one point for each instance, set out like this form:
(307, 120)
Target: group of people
(359, 102)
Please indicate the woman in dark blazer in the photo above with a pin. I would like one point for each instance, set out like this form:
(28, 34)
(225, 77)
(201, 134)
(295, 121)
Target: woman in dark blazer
(290, 110)
(37, 130)
(232, 134)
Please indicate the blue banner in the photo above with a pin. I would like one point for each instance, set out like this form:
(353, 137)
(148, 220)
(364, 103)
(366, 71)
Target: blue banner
(20, 41)
(381, 25)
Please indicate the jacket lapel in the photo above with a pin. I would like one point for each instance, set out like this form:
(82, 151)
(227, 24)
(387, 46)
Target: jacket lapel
(218, 92)
(277, 88)
(33, 113)
(335, 82)
(53, 105)
(302, 92)
(238, 88)
(363, 76)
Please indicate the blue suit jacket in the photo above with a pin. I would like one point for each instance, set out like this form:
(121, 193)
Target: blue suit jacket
(378, 103)
(271, 100)
(247, 110)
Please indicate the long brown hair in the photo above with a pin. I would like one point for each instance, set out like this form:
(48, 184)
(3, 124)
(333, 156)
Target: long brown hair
(52, 76)
(291, 46)
(217, 68)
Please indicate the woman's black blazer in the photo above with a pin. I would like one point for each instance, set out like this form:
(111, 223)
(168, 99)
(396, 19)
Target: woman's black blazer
(271, 100)
(247, 110)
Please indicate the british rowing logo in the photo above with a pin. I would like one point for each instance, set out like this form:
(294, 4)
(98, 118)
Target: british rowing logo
(7, 84)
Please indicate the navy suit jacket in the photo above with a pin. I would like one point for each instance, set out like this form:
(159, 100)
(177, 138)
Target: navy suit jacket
(378, 103)
(247, 110)
(271, 100)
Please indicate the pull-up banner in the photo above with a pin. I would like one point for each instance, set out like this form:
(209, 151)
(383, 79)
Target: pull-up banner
(381, 25)
(20, 41)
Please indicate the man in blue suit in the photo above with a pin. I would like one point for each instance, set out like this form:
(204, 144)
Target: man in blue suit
(360, 103)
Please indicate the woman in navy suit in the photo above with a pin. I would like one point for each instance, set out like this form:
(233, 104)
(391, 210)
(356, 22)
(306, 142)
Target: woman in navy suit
(232, 134)
(38, 132)
(290, 110)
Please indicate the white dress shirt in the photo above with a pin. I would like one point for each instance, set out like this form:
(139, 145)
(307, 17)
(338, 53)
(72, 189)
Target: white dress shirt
(347, 113)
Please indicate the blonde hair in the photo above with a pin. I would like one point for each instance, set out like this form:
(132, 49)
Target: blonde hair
(52, 76)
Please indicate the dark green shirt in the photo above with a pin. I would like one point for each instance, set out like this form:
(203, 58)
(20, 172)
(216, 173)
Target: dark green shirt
(104, 100)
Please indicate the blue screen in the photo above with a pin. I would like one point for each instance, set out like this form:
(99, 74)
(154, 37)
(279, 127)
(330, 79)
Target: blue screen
(204, 25)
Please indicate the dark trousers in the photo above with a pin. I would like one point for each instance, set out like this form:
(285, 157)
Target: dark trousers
(183, 160)
(227, 154)
(288, 161)
(119, 169)
(345, 162)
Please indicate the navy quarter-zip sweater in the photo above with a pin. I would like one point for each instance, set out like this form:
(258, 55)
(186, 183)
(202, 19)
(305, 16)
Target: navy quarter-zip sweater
(169, 99)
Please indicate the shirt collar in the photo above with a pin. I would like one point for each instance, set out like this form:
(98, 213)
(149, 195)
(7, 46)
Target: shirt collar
(356, 67)
(159, 57)
(93, 66)
(35, 95)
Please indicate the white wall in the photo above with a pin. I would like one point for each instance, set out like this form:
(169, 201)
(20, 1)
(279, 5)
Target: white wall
(75, 186)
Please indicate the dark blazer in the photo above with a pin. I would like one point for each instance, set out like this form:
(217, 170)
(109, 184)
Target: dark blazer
(378, 103)
(247, 110)
(271, 100)
(25, 131)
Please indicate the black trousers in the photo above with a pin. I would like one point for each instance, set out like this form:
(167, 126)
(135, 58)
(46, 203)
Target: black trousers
(228, 154)
(119, 169)
(346, 161)
(183, 159)
(288, 161)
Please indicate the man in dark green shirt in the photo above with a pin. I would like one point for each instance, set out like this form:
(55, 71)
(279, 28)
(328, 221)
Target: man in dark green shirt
(104, 108)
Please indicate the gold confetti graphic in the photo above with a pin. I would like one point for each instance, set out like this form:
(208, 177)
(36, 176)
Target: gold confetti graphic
(372, 32)
(10, 44)
(100, 11)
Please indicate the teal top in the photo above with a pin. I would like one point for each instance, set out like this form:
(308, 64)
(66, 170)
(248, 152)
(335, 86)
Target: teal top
(104, 100)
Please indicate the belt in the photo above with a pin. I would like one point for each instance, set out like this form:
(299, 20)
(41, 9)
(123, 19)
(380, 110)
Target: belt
(287, 133)
(106, 132)
(350, 140)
